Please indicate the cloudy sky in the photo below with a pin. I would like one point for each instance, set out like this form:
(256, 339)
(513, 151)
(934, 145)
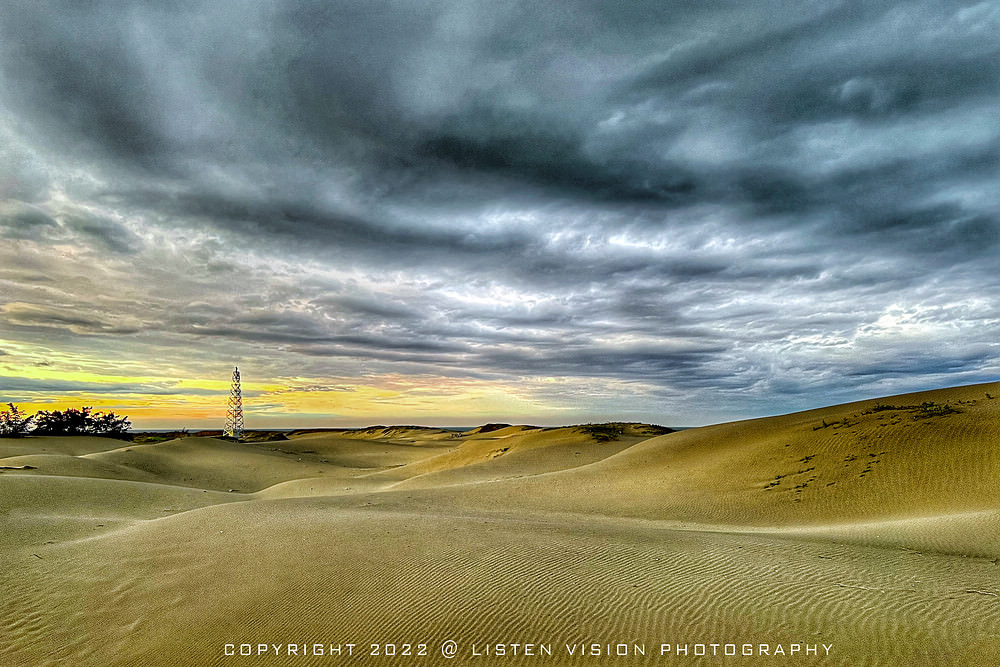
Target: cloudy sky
(459, 211)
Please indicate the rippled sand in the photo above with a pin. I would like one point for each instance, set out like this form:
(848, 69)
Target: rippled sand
(843, 536)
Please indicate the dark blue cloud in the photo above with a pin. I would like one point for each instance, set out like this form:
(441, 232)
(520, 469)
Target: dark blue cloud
(20, 386)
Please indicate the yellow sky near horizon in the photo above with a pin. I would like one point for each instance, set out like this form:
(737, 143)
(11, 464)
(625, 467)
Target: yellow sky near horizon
(291, 402)
(164, 394)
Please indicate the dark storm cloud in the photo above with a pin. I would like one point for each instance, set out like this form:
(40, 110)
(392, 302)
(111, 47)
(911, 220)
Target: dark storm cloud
(23, 221)
(67, 318)
(770, 196)
(376, 305)
(300, 223)
(680, 368)
(74, 67)
(23, 386)
(928, 362)
(107, 234)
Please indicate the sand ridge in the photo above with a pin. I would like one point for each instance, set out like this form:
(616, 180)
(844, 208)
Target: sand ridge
(871, 527)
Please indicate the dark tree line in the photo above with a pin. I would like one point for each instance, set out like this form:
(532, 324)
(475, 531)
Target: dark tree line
(14, 423)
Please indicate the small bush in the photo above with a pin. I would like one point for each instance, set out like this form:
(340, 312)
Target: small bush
(14, 423)
(928, 409)
(604, 432)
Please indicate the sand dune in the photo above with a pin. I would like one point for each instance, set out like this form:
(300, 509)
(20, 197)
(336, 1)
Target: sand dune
(842, 464)
(869, 528)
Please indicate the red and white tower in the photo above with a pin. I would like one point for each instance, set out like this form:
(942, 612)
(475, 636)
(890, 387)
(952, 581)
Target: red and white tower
(234, 415)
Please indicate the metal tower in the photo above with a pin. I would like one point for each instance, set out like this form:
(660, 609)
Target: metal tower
(234, 415)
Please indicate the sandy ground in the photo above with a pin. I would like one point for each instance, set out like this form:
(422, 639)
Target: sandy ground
(861, 534)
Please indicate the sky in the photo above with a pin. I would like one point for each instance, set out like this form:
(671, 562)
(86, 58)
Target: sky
(453, 212)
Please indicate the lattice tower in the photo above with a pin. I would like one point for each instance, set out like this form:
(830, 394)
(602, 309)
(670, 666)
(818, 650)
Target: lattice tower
(234, 415)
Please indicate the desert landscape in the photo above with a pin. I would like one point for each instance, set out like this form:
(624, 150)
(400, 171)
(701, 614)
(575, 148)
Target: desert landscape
(860, 534)
(462, 332)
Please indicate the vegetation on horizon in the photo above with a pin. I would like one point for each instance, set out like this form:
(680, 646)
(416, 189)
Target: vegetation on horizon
(604, 432)
(611, 431)
(15, 423)
(922, 411)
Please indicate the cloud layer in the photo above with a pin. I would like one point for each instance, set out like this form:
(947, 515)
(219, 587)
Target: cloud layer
(679, 212)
